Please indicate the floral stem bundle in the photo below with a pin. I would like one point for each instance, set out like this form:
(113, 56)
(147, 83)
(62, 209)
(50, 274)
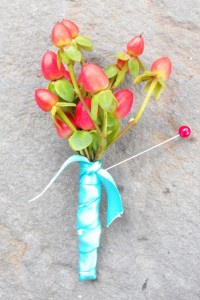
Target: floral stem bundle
(86, 109)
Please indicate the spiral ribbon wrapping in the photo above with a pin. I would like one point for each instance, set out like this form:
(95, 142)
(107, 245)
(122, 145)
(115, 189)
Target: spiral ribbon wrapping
(88, 219)
(92, 176)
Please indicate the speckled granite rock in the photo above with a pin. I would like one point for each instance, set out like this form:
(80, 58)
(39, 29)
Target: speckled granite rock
(152, 252)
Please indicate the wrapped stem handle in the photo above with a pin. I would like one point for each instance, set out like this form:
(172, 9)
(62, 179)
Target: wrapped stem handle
(92, 176)
(88, 221)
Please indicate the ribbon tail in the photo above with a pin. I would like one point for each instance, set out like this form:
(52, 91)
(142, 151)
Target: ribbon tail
(114, 202)
(73, 158)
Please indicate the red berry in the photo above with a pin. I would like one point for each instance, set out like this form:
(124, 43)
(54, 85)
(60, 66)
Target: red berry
(120, 63)
(136, 46)
(162, 67)
(64, 131)
(72, 27)
(50, 68)
(125, 101)
(184, 131)
(60, 35)
(93, 78)
(81, 117)
(45, 99)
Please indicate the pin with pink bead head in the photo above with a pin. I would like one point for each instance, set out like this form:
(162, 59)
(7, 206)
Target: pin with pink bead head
(184, 132)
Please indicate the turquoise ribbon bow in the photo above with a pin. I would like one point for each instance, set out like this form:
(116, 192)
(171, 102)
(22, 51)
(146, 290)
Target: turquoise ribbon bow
(91, 178)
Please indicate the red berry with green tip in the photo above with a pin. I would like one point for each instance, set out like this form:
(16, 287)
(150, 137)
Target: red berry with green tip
(81, 117)
(60, 35)
(93, 78)
(72, 27)
(63, 130)
(125, 101)
(50, 68)
(136, 46)
(162, 67)
(45, 99)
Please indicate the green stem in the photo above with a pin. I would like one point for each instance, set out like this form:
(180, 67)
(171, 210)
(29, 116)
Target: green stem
(142, 67)
(105, 124)
(82, 59)
(139, 114)
(102, 142)
(120, 76)
(111, 83)
(77, 91)
(123, 132)
(87, 153)
(65, 119)
(146, 100)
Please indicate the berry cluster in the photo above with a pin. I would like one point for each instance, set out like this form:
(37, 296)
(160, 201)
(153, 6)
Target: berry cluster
(87, 109)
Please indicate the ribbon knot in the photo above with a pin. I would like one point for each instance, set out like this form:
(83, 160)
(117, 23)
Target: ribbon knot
(114, 203)
(95, 167)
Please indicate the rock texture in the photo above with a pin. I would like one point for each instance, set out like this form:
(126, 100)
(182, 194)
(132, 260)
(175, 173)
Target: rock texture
(152, 252)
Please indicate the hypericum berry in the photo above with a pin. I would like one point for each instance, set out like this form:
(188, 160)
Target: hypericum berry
(72, 27)
(45, 99)
(50, 68)
(81, 117)
(136, 46)
(60, 35)
(120, 63)
(162, 67)
(63, 130)
(93, 78)
(125, 101)
(184, 131)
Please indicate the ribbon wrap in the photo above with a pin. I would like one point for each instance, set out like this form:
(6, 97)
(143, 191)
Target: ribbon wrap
(91, 178)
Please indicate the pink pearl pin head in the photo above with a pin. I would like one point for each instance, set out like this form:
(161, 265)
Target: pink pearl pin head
(184, 131)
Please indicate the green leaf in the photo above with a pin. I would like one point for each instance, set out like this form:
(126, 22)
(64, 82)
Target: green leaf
(73, 54)
(94, 108)
(122, 56)
(51, 87)
(140, 78)
(84, 43)
(149, 73)
(64, 57)
(106, 101)
(111, 120)
(80, 140)
(64, 89)
(111, 71)
(74, 44)
(114, 132)
(65, 104)
(158, 90)
(147, 86)
(119, 78)
(134, 67)
(161, 81)
(95, 141)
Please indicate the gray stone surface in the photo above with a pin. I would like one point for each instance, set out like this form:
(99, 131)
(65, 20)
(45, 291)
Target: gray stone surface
(152, 252)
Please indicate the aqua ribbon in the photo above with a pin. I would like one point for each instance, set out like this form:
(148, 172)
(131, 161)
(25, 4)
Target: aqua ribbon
(92, 176)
